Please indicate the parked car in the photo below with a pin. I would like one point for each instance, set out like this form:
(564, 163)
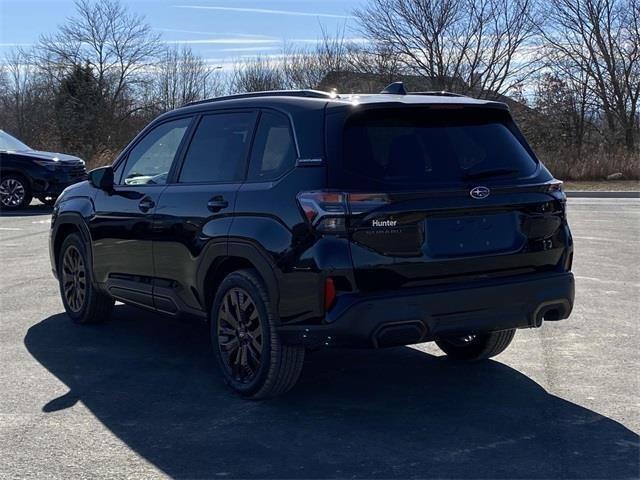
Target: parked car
(26, 173)
(300, 219)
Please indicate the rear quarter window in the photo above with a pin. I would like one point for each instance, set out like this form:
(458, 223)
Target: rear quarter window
(273, 152)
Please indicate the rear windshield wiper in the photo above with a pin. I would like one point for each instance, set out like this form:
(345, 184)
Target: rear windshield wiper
(495, 172)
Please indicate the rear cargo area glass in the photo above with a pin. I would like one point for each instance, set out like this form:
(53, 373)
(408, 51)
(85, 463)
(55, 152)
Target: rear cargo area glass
(417, 148)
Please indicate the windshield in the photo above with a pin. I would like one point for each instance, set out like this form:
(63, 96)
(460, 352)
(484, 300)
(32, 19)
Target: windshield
(8, 143)
(415, 148)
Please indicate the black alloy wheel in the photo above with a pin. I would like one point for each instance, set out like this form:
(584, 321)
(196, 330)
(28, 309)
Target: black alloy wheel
(240, 335)
(83, 302)
(74, 278)
(244, 334)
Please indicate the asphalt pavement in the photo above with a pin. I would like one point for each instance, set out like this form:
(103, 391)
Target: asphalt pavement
(141, 397)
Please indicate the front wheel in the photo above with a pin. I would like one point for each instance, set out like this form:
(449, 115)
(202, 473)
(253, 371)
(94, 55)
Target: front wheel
(15, 192)
(83, 303)
(251, 356)
(478, 346)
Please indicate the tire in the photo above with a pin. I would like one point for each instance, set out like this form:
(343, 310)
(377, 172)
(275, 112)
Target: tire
(251, 356)
(83, 303)
(476, 347)
(15, 192)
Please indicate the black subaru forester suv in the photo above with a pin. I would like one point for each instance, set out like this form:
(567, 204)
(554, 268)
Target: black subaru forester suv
(300, 219)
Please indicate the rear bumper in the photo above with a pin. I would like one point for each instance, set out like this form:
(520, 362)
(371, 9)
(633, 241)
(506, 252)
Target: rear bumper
(419, 315)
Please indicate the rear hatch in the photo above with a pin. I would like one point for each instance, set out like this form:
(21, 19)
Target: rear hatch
(440, 195)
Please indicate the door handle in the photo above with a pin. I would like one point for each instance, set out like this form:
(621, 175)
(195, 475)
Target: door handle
(146, 204)
(217, 203)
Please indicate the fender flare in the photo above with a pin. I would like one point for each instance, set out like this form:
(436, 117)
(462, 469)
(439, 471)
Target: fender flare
(262, 262)
(77, 220)
(246, 250)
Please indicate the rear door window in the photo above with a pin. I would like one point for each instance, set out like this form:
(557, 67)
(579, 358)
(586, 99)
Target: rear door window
(217, 152)
(421, 148)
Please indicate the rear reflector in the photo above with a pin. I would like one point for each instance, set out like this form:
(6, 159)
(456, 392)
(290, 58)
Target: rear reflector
(329, 294)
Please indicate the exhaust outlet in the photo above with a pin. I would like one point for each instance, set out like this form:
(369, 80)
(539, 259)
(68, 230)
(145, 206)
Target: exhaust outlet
(400, 333)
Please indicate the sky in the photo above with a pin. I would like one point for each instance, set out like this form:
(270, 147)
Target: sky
(219, 30)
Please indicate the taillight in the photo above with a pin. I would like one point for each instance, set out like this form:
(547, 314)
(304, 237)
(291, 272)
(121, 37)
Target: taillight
(360, 203)
(327, 211)
(555, 186)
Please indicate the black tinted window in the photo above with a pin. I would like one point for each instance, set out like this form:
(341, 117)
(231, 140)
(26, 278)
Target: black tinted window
(150, 160)
(420, 147)
(273, 148)
(218, 149)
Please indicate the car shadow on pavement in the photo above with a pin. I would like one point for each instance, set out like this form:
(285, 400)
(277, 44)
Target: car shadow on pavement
(31, 210)
(394, 413)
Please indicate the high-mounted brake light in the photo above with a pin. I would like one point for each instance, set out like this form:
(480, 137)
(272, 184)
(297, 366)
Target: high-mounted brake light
(327, 211)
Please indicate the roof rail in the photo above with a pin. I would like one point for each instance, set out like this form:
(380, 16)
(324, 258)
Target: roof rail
(272, 93)
(435, 93)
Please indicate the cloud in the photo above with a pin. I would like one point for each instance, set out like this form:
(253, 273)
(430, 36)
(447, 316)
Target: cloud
(248, 49)
(265, 11)
(319, 40)
(215, 34)
(222, 41)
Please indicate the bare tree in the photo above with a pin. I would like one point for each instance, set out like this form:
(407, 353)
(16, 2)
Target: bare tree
(26, 107)
(182, 77)
(567, 117)
(478, 46)
(375, 59)
(302, 68)
(336, 62)
(119, 49)
(117, 45)
(257, 74)
(597, 43)
(307, 67)
(18, 79)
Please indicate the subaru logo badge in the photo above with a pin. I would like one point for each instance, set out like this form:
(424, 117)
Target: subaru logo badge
(479, 192)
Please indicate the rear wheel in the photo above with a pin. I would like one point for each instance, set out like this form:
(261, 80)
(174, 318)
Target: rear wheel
(83, 303)
(478, 346)
(253, 360)
(15, 192)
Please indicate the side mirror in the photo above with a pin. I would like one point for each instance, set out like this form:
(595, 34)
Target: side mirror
(102, 178)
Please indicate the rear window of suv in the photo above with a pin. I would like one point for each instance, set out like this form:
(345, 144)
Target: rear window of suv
(414, 148)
